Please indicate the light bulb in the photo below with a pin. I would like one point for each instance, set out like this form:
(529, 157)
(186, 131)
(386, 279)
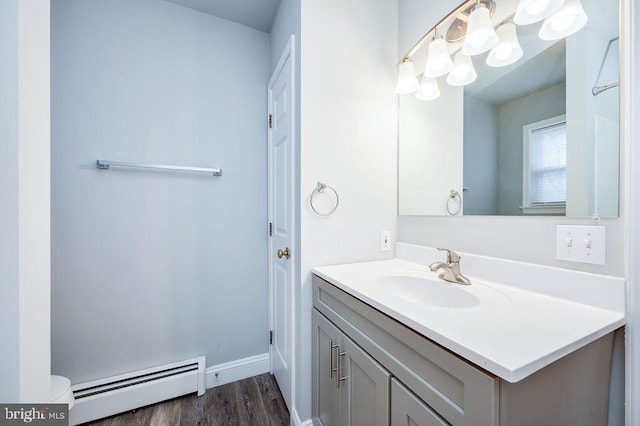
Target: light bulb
(480, 35)
(508, 49)
(530, 11)
(561, 23)
(438, 60)
(438, 64)
(460, 73)
(428, 90)
(536, 7)
(478, 39)
(566, 21)
(407, 80)
(463, 72)
(502, 52)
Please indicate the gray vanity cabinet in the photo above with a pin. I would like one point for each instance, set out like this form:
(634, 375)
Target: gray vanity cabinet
(460, 393)
(350, 388)
(394, 375)
(408, 409)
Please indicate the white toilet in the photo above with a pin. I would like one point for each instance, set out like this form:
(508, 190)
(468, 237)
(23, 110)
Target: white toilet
(61, 392)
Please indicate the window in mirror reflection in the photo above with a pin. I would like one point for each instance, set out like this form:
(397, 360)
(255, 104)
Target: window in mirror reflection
(545, 166)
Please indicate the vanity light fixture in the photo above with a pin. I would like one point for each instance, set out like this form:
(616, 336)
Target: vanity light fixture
(438, 60)
(480, 35)
(429, 89)
(530, 11)
(407, 80)
(566, 21)
(470, 25)
(463, 72)
(508, 49)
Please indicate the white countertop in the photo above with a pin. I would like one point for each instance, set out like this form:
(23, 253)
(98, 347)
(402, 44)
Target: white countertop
(509, 330)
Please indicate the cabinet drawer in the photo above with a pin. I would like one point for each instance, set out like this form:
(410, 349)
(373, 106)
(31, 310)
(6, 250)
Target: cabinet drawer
(408, 409)
(461, 393)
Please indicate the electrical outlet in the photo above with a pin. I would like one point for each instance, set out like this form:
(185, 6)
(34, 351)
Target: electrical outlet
(385, 240)
(586, 244)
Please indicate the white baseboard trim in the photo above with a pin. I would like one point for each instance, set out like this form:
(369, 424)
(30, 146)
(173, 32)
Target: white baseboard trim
(239, 369)
(295, 419)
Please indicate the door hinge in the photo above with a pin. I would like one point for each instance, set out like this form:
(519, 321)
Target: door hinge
(271, 337)
(270, 229)
(271, 121)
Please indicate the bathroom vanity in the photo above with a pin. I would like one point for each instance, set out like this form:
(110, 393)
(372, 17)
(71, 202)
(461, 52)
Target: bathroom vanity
(387, 352)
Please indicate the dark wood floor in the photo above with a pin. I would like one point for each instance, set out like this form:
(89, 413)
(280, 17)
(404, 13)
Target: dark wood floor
(256, 401)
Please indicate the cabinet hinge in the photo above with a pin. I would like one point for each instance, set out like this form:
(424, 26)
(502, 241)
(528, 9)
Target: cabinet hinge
(270, 229)
(271, 337)
(271, 121)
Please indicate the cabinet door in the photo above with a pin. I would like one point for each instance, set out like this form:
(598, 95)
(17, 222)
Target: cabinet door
(364, 386)
(408, 410)
(326, 395)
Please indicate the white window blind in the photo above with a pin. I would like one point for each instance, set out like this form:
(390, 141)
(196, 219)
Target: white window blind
(548, 165)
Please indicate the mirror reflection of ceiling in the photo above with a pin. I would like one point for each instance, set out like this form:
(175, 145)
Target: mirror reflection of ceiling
(257, 14)
(542, 65)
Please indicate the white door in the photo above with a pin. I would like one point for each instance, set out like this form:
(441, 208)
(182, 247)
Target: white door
(281, 220)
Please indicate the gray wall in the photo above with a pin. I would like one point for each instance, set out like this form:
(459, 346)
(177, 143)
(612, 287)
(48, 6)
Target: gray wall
(480, 157)
(9, 282)
(156, 267)
(546, 103)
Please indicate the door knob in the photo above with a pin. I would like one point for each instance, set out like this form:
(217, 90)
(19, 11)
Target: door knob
(284, 253)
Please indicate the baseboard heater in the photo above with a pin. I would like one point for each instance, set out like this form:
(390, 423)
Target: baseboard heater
(112, 395)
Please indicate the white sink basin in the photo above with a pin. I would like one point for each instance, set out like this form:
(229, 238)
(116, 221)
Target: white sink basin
(514, 319)
(427, 291)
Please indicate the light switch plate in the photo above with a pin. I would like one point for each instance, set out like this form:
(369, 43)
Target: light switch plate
(586, 244)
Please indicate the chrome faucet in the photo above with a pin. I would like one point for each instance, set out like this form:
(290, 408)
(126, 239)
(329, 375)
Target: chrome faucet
(450, 271)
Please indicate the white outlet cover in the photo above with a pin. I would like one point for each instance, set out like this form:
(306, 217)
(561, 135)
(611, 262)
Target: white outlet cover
(585, 244)
(385, 240)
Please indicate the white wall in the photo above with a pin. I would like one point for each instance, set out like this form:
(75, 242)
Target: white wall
(24, 213)
(517, 238)
(430, 150)
(349, 141)
(156, 267)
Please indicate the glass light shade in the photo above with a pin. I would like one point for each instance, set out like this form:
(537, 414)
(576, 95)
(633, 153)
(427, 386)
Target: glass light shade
(463, 72)
(438, 62)
(480, 35)
(530, 11)
(429, 89)
(566, 21)
(407, 80)
(508, 49)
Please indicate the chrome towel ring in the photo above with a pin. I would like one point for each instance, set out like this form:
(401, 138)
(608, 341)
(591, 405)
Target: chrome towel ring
(320, 189)
(452, 196)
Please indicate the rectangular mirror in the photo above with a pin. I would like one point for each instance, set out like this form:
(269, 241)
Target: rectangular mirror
(537, 137)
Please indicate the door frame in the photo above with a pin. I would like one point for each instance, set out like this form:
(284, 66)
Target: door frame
(288, 54)
(630, 133)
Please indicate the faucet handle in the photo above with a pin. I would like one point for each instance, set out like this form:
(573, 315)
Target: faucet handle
(452, 257)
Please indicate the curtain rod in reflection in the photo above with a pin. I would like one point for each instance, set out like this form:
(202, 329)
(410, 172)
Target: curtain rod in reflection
(599, 89)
